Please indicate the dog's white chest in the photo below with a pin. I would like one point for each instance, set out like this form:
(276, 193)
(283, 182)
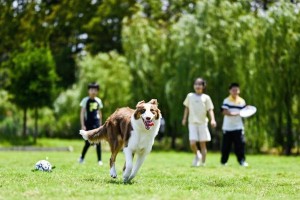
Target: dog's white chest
(141, 142)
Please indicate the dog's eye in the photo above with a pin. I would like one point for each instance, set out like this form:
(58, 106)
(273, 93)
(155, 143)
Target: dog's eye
(143, 110)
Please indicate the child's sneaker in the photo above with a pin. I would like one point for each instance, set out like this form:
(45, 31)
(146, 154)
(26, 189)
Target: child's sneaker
(81, 160)
(196, 161)
(244, 164)
(100, 163)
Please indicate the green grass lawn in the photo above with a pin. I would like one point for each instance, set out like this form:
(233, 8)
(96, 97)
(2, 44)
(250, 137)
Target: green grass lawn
(164, 175)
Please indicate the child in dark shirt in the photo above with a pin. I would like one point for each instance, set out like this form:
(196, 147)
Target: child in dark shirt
(91, 117)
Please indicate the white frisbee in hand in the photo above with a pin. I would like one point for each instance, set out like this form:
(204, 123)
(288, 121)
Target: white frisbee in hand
(248, 111)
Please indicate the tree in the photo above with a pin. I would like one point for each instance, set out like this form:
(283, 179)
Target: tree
(104, 28)
(111, 72)
(33, 80)
(58, 24)
(65, 23)
(278, 55)
(223, 41)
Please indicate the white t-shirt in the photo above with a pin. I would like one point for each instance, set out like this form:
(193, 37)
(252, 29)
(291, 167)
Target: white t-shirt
(198, 106)
(231, 123)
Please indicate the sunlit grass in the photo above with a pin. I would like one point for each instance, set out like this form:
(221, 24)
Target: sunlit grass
(164, 175)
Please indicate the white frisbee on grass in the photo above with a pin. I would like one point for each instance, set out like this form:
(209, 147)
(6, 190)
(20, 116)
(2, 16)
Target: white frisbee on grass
(248, 111)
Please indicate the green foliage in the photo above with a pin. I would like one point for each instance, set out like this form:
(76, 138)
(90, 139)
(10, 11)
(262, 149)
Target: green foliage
(105, 27)
(223, 42)
(277, 53)
(33, 77)
(164, 46)
(9, 121)
(67, 37)
(111, 72)
(107, 23)
(47, 122)
(58, 24)
(66, 110)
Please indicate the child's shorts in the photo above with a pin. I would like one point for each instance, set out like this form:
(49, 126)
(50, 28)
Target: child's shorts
(199, 133)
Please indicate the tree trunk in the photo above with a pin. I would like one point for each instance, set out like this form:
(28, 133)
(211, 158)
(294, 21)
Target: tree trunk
(289, 135)
(173, 141)
(289, 129)
(298, 144)
(24, 132)
(279, 135)
(265, 4)
(36, 116)
(173, 137)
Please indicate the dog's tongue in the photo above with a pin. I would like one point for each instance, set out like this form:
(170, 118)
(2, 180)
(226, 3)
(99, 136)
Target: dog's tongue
(150, 123)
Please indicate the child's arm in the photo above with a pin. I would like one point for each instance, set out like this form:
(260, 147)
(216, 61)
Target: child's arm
(185, 115)
(82, 112)
(100, 116)
(213, 122)
(228, 113)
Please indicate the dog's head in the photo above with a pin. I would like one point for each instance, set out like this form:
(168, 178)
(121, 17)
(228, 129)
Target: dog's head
(148, 112)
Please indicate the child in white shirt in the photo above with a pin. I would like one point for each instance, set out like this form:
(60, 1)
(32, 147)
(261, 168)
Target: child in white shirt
(196, 107)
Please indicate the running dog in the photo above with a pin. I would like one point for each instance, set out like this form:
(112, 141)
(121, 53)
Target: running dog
(132, 130)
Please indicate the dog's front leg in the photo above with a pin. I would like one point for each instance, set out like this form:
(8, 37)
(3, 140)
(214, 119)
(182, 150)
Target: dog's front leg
(139, 161)
(128, 164)
(112, 171)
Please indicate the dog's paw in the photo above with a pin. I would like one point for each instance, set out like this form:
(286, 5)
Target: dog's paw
(125, 180)
(130, 178)
(113, 172)
(83, 134)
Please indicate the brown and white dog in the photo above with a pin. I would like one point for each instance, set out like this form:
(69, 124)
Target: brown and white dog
(132, 130)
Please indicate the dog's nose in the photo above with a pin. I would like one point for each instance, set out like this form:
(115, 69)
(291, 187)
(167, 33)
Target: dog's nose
(148, 118)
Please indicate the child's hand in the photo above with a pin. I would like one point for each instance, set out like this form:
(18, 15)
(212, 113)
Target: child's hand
(183, 122)
(213, 123)
(83, 128)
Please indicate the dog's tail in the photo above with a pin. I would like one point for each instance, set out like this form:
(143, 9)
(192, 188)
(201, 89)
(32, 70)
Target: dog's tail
(95, 135)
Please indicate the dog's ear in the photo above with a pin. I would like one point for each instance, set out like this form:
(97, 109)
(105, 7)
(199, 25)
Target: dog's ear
(139, 103)
(153, 101)
(157, 114)
(137, 112)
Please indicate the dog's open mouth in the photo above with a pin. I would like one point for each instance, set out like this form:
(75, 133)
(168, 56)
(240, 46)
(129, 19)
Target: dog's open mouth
(148, 123)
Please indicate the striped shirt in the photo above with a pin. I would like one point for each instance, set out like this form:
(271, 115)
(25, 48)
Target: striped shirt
(231, 123)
